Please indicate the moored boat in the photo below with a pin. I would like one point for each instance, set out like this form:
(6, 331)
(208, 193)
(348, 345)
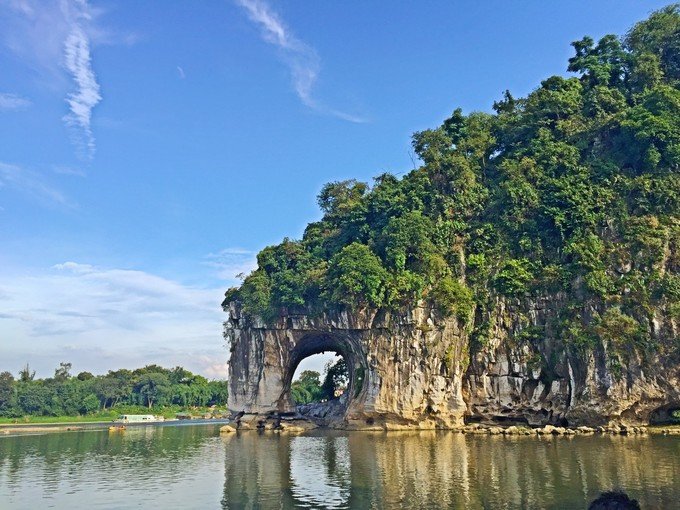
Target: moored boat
(138, 418)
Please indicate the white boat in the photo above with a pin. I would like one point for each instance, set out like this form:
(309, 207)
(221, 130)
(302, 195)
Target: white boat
(138, 418)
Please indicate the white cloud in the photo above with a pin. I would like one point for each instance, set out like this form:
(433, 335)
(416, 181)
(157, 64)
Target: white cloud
(232, 262)
(302, 60)
(35, 32)
(78, 62)
(108, 318)
(32, 184)
(13, 102)
(180, 71)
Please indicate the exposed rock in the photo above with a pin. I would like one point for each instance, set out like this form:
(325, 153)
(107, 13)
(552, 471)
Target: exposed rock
(415, 370)
(422, 388)
(228, 429)
(548, 429)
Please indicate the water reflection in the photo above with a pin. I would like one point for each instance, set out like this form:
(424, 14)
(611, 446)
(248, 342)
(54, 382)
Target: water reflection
(320, 471)
(193, 467)
(446, 470)
(98, 469)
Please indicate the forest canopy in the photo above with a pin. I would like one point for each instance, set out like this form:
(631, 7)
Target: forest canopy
(574, 189)
(151, 387)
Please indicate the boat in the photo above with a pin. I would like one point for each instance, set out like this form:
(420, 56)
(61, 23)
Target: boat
(138, 419)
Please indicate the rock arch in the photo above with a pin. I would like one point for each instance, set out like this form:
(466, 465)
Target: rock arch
(404, 372)
(664, 415)
(418, 372)
(317, 342)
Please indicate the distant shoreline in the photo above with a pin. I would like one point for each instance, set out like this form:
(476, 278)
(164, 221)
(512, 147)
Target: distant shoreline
(32, 428)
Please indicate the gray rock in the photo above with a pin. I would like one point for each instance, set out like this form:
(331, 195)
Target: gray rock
(414, 369)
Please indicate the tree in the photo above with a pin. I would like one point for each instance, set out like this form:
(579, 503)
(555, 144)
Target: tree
(152, 387)
(62, 373)
(25, 374)
(36, 398)
(307, 388)
(453, 298)
(113, 387)
(219, 392)
(89, 404)
(356, 277)
(6, 391)
(337, 378)
(337, 199)
(659, 36)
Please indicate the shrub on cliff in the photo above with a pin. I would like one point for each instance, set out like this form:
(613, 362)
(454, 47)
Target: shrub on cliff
(356, 277)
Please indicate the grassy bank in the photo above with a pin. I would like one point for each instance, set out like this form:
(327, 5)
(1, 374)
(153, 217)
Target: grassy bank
(110, 415)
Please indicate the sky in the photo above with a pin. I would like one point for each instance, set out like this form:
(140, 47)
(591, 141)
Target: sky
(148, 150)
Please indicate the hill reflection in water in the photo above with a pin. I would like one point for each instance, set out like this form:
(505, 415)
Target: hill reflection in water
(193, 467)
(445, 470)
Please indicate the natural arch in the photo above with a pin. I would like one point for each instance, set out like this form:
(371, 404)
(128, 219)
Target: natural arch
(317, 343)
(394, 365)
(666, 415)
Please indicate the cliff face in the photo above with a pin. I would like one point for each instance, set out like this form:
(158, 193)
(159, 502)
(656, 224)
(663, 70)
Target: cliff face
(415, 369)
(543, 381)
(404, 370)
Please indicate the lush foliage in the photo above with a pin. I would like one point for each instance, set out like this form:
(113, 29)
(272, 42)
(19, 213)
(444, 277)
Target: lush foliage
(67, 395)
(574, 189)
(308, 387)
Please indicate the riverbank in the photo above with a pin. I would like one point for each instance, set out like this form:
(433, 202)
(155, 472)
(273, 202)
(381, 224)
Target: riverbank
(166, 412)
(299, 426)
(37, 429)
(19, 429)
(548, 430)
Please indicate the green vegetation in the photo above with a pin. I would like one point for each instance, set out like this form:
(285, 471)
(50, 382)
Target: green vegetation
(574, 188)
(675, 417)
(309, 388)
(152, 388)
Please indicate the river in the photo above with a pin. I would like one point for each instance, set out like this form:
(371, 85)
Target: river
(191, 466)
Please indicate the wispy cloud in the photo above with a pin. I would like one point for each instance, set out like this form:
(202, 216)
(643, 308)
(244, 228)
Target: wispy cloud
(55, 39)
(68, 170)
(180, 72)
(231, 263)
(302, 60)
(13, 102)
(78, 62)
(104, 318)
(32, 184)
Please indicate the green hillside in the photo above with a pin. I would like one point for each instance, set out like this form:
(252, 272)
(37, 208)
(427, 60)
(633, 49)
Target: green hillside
(571, 192)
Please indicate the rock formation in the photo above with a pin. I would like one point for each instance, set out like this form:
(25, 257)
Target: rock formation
(416, 370)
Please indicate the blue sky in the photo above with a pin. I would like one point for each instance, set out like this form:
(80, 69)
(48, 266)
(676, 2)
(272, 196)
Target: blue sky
(150, 149)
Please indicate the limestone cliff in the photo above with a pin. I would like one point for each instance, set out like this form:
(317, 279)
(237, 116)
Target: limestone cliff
(404, 370)
(415, 369)
(527, 271)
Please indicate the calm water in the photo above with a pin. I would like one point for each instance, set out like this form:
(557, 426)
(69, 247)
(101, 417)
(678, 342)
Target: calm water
(193, 467)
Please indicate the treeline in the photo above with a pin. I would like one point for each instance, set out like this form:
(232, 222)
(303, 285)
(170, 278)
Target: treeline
(572, 191)
(66, 395)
